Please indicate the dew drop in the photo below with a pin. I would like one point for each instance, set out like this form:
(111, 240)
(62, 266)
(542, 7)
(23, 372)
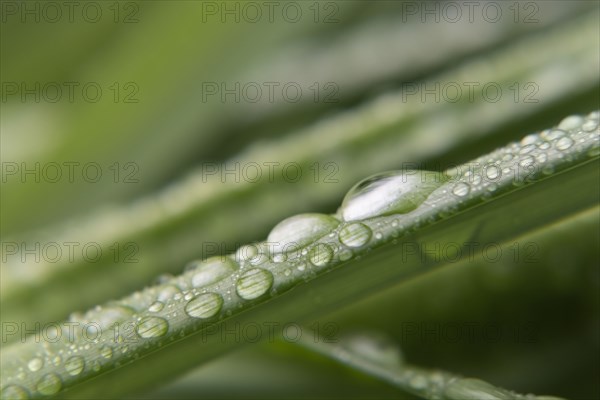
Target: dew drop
(162, 279)
(156, 306)
(14, 392)
(49, 384)
(589, 125)
(527, 149)
(355, 235)
(106, 352)
(167, 293)
(254, 283)
(564, 143)
(553, 134)
(204, 306)
(320, 255)
(394, 192)
(418, 382)
(151, 327)
(374, 347)
(475, 389)
(74, 365)
(529, 139)
(544, 145)
(212, 270)
(461, 189)
(571, 122)
(301, 267)
(35, 364)
(527, 161)
(105, 317)
(300, 230)
(287, 272)
(255, 254)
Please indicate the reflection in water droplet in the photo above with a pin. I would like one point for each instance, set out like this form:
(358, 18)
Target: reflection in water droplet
(35, 364)
(564, 143)
(394, 192)
(212, 270)
(14, 392)
(156, 306)
(151, 327)
(320, 255)
(298, 231)
(355, 235)
(49, 384)
(204, 306)
(254, 283)
(106, 352)
(74, 365)
(461, 189)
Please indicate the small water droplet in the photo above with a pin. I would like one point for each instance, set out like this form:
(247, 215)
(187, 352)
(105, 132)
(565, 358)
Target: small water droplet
(151, 327)
(56, 361)
(355, 235)
(564, 143)
(167, 293)
(35, 364)
(254, 283)
(541, 158)
(14, 392)
(295, 232)
(553, 134)
(287, 272)
(571, 122)
(279, 258)
(301, 267)
(162, 279)
(544, 145)
(320, 255)
(468, 388)
(106, 352)
(212, 270)
(156, 306)
(379, 236)
(49, 384)
(527, 161)
(74, 365)
(105, 317)
(394, 192)
(589, 125)
(204, 306)
(527, 149)
(374, 347)
(461, 189)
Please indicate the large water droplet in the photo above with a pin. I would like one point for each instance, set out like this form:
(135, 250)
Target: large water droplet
(204, 306)
(35, 364)
(49, 384)
(14, 392)
(151, 327)
(74, 365)
(212, 270)
(475, 389)
(320, 255)
(564, 143)
(254, 283)
(394, 192)
(156, 306)
(355, 235)
(298, 231)
(571, 122)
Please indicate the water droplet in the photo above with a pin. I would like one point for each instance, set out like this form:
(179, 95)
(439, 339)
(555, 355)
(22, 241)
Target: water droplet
(355, 235)
(394, 192)
(564, 143)
(35, 364)
(287, 272)
(204, 306)
(589, 125)
(162, 279)
(320, 255)
(553, 134)
(255, 254)
(461, 189)
(468, 388)
(105, 317)
(374, 347)
(151, 327)
(49, 384)
(378, 236)
(156, 306)
(254, 283)
(418, 382)
(74, 365)
(571, 122)
(541, 158)
(14, 392)
(57, 361)
(167, 293)
(529, 139)
(527, 149)
(106, 352)
(544, 145)
(527, 161)
(300, 230)
(212, 270)
(301, 267)
(279, 258)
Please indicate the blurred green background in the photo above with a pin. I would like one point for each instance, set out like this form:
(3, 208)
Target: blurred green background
(161, 139)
